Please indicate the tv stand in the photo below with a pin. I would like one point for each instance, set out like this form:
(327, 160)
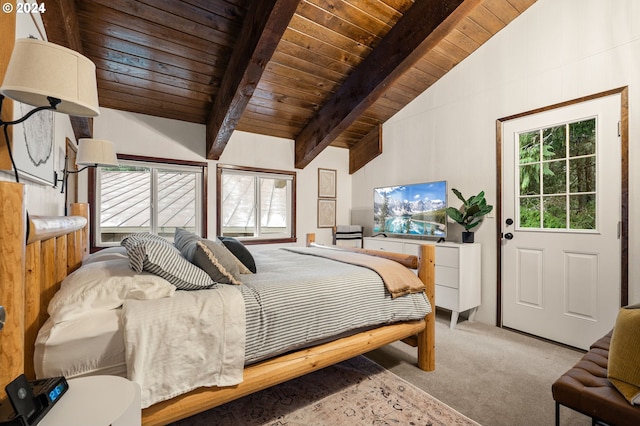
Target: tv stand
(458, 272)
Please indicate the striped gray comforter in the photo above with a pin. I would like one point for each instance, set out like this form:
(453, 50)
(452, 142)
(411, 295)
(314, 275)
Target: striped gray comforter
(297, 300)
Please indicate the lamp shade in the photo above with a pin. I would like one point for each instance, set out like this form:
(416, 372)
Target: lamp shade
(38, 69)
(96, 152)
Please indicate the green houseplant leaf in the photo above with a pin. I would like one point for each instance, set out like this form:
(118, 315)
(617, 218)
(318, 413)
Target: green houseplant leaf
(472, 211)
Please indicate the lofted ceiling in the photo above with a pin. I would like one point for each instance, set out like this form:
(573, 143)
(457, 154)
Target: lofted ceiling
(321, 72)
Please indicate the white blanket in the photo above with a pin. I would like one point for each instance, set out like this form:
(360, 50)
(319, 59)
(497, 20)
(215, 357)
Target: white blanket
(202, 345)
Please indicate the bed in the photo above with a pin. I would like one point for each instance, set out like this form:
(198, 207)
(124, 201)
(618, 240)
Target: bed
(55, 246)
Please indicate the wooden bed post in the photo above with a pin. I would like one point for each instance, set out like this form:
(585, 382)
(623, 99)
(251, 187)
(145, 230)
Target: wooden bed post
(82, 235)
(427, 338)
(12, 275)
(310, 239)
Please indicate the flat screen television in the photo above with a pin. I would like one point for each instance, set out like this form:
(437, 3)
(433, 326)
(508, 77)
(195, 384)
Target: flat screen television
(417, 209)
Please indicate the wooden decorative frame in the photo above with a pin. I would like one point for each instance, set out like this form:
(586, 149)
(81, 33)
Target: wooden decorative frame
(327, 183)
(326, 213)
(36, 255)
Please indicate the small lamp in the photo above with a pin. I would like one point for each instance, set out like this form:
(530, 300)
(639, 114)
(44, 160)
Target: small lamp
(49, 77)
(91, 153)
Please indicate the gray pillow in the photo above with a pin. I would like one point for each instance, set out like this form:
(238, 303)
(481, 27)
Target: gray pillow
(158, 256)
(211, 256)
(217, 261)
(238, 249)
(185, 241)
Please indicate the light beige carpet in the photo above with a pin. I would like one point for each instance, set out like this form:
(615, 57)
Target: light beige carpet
(354, 392)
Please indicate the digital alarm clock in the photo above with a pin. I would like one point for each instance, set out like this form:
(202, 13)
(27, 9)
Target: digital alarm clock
(49, 390)
(30, 400)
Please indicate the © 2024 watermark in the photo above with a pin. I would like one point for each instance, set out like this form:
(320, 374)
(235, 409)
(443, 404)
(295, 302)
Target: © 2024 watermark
(33, 7)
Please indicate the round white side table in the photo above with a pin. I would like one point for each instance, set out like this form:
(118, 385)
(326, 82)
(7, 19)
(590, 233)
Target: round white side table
(97, 401)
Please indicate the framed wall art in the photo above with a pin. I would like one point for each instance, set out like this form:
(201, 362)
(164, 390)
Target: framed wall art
(327, 183)
(33, 145)
(326, 213)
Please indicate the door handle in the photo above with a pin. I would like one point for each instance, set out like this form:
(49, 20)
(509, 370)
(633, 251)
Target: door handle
(508, 236)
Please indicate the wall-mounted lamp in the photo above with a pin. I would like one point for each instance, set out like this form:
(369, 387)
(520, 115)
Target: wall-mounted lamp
(49, 77)
(91, 153)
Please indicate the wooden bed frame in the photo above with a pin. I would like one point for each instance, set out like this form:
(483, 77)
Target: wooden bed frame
(36, 253)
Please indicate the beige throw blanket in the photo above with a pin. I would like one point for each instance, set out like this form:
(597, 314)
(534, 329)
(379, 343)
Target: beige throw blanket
(398, 279)
(176, 344)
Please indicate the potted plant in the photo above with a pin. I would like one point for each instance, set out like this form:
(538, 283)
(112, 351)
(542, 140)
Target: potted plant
(470, 214)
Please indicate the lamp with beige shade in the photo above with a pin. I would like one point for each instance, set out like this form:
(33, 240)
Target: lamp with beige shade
(48, 77)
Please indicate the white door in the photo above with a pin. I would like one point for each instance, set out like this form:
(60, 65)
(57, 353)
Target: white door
(561, 212)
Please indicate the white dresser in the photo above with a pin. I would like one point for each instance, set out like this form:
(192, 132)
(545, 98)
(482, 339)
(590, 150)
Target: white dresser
(458, 273)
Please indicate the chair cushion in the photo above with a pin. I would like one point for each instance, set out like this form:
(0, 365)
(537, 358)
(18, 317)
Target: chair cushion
(585, 388)
(624, 354)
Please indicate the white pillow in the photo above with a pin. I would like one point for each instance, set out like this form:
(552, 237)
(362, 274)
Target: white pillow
(110, 253)
(104, 285)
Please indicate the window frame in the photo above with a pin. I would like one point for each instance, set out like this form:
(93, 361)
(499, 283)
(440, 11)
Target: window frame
(567, 158)
(255, 170)
(93, 191)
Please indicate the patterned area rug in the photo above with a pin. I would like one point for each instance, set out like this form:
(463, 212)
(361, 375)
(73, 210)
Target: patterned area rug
(354, 392)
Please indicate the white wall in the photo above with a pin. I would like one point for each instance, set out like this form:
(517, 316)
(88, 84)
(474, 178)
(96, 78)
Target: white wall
(138, 134)
(43, 199)
(558, 50)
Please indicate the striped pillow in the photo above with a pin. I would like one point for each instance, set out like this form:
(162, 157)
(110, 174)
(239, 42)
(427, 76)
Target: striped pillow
(154, 254)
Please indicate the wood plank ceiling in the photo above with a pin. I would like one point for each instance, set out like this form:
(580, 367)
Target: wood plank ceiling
(321, 72)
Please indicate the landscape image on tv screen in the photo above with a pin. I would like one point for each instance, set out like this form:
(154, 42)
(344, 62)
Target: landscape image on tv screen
(416, 209)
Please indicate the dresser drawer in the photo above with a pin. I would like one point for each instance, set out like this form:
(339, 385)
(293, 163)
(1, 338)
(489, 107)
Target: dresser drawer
(447, 256)
(447, 276)
(380, 244)
(447, 298)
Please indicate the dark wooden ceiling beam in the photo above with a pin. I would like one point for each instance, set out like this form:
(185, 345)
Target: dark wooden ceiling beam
(368, 148)
(61, 25)
(263, 27)
(418, 31)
